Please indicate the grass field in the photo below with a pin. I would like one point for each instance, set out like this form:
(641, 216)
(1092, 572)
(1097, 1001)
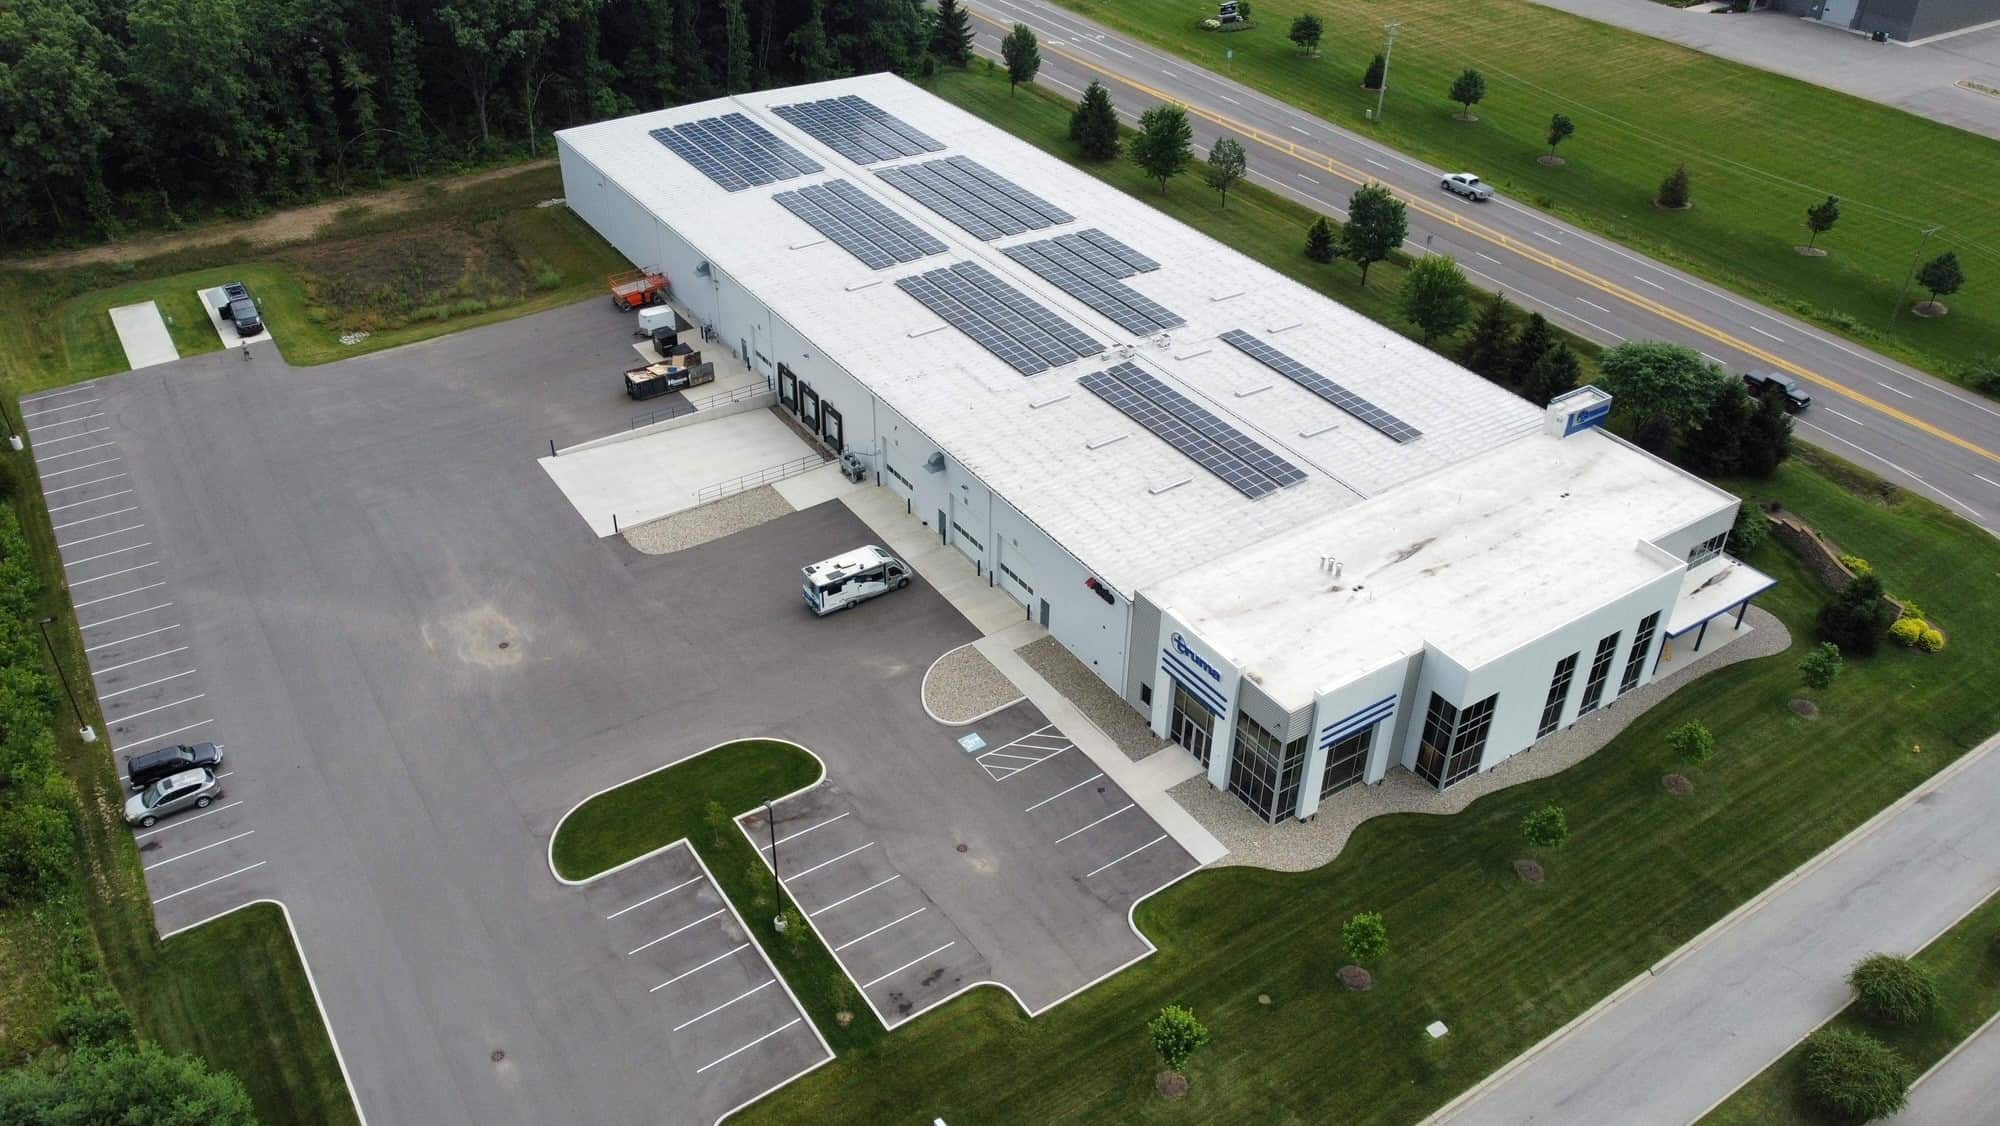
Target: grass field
(1968, 976)
(458, 260)
(1759, 147)
(672, 804)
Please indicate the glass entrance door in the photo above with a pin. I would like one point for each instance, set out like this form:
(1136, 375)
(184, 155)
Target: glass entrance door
(1190, 725)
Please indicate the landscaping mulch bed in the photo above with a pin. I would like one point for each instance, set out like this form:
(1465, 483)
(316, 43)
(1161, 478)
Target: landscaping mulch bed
(1172, 1084)
(1804, 707)
(1357, 979)
(1678, 784)
(1530, 871)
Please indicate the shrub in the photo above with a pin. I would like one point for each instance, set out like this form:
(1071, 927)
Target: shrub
(1750, 531)
(1821, 666)
(1857, 564)
(1983, 374)
(1692, 741)
(1931, 641)
(1176, 1033)
(548, 277)
(1893, 991)
(1852, 1074)
(1908, 631)
(124, 1084)
(1547, 827)
(1366, 936)
(89, 1024)
(1857, 617)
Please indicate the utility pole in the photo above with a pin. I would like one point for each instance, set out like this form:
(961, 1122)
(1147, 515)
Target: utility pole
(1387, 50)
(1904, 296)
(83, 730)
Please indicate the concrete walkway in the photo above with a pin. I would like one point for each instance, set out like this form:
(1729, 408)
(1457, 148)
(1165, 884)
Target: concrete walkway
(1675, 1041)
(1919, 79)
(1963, 1087)
(142, 332)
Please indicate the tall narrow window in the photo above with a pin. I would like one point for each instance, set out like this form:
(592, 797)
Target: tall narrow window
(1454, 740)
(1346, 761)
(1600, 671)
(1552, 710)
(1439, 723)
(1635, 661)
(1265, 773)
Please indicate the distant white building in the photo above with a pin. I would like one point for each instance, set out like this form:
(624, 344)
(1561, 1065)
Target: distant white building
(1309, 549)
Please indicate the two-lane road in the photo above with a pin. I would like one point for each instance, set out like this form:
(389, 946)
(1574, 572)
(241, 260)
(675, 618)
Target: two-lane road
(1910, 427)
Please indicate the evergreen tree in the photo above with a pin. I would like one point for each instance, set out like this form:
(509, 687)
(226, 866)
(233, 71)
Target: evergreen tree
(405, 102)
(1492, 341)
(1655, 435)
(1821, 217)
(1165, 144)
(1857, 617)
(1023, 56)
(736, 62)
(1094, 125)
(1436, 297)
(1536, 337)
(1376, 225)
(951, 33)
(1674, 189)
(1767, 440)
(1715, 448)
(1320, 243)
(810, 49)
(1226, 165)
(1377, 69)
(1555, 371)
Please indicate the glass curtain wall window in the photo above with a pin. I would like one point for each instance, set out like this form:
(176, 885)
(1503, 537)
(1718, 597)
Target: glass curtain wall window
(1707, 549)
(1635, 661)
(1265, 773)
(1600, 671)
(1454, 740)
(1345, 762)
(1190, 725)
(1552, 710)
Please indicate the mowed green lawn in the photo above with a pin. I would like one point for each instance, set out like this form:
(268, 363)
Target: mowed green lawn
(1759, 147)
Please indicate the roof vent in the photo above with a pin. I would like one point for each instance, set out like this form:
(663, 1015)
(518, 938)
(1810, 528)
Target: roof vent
(702, 270)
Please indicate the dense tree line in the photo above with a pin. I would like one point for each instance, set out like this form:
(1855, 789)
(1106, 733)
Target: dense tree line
(121, 112)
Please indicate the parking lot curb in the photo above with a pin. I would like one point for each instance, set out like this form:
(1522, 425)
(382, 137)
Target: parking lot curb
(923, 693)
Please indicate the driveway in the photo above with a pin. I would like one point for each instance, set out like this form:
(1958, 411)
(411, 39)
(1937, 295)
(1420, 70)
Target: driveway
(358, 580)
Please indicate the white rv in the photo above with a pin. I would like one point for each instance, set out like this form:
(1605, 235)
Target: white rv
(851, 577)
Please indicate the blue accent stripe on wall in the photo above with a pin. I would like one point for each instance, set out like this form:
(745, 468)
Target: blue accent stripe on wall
(1366, 717)
(1193, 681)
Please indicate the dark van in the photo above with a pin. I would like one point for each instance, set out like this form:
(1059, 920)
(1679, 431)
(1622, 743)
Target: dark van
(143, 770)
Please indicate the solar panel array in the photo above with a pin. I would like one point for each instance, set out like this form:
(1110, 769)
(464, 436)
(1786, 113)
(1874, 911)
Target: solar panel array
(858, 129)
(735, 152)
(877, 236)
(999, 318)
(1193, 430)
(1391, 426)
(979, 200)
(1082, 267)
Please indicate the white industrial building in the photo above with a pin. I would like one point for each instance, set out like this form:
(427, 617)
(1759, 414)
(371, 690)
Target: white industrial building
(1309, 549)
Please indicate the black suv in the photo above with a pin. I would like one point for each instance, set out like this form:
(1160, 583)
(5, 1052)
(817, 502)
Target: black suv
(240, 310)
(1795, 395)
(143, 770)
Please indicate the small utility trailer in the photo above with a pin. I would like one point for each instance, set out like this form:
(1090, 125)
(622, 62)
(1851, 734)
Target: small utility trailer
(678, 372)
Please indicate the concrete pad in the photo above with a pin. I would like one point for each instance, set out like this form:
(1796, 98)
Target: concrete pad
(983, 603)
(654, 476)
(212, 297)
(822, 484)
(142, 331)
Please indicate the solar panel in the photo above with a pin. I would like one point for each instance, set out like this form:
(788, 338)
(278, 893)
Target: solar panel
(1391, 426)
(735, 152)
(1129, 309)
(1129, 256)
(858, 129)
(847, 238)
(998, 317)
(1183, 435)
(975, 198)
(1280, 471)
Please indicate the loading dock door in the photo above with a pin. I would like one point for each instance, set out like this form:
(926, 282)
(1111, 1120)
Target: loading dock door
(788, 388)
(809, 406)
(831, 427)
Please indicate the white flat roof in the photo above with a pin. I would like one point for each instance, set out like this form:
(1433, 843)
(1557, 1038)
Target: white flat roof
(1476, 560)
(1100, 504)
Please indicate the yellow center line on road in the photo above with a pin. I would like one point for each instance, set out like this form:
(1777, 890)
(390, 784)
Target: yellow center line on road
(1533, 254)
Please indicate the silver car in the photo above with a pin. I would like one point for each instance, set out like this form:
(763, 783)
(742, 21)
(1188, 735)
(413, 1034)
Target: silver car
(190, 789)
(1467, 185)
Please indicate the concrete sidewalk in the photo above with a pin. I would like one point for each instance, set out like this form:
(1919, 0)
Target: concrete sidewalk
(142, 332)
(1674, 1042)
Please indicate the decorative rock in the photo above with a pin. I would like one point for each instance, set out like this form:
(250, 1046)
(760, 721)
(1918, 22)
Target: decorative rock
(1678, 784)
(1530, 871)
(1356, 979)
(1263, 998)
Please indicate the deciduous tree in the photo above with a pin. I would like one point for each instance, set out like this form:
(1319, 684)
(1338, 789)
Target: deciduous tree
(1376, 225)
(1547, 827)
(1653, 378)
(1176, 1034)
(1366, 936)
(1468, 90)
(1165, 145)
(1821, 666)
(1821, 217)
(1227, 163)
(123, 1083)
(1560, 129)
(1941, 275)
(1306, 32)
(1022, 54)
(1436, 297)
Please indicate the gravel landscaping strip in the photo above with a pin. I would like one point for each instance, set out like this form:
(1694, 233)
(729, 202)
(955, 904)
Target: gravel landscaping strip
(1092, 697)
(1293, 847)
(963, 685)
(694, 526)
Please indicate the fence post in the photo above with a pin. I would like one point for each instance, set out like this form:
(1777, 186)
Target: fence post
(552, 447)
(614, 523)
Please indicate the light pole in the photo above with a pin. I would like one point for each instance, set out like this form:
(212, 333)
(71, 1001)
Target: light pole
(13, 439)
(1388, 49)
(777, 884)
(84, 731)
(1911, 276)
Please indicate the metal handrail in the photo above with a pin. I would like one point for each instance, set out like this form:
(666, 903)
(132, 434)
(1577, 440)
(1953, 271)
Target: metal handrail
(762, 477)
(689, 406)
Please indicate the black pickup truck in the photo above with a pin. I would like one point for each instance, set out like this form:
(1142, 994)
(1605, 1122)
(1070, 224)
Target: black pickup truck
(1796, 398)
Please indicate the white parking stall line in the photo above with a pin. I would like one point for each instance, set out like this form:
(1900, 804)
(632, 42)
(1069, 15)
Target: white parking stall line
(140, 687)
(115, 574)
(204, 848)
(1096, 823)
(66, 421)
(1845, 415)
(698, 969)
(672, 933)
(140, 660)
(99, 516)
(92, 500)
(68, 563)
(205, 883)
(120, 594)
(73, 453)
(1127, 856)
(186, 821)
(750, 1045)
(824, 863)
(75, 436)
(55, 395)
(1061, 792)
(751, 992)
(156, 738)
(122, 617)
(650, 898)
(1003, 754)
(908, 964)
(856, 895)
(804, 831)
(134, 637)
(81, 484)
(1648, 281)
(1772, 335)
(879, 930)
(81, 468)
(1896, 389)
(101, 536)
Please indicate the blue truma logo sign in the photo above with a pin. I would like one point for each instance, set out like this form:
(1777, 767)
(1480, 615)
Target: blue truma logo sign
(1587, 417)
(1199, 661)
